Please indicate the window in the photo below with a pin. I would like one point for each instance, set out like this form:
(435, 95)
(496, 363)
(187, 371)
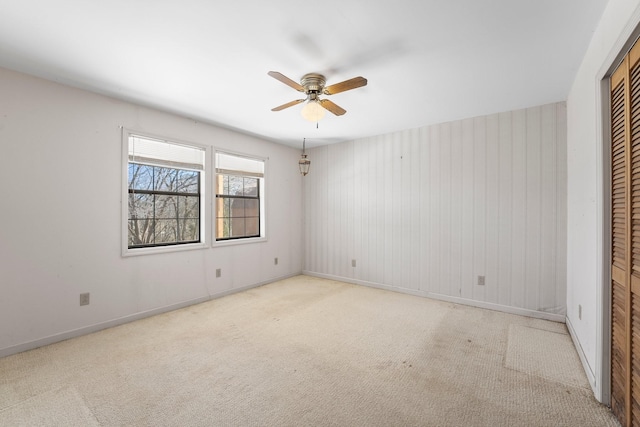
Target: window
(239, 203)
(164, 192)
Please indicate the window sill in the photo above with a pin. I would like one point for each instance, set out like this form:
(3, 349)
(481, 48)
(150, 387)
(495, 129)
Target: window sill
(233, 242)
(126, 252)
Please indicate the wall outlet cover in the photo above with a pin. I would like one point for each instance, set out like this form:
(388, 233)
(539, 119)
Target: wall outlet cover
(84, 298)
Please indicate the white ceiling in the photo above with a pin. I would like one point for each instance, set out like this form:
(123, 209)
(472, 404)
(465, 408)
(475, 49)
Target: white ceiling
(427, 61)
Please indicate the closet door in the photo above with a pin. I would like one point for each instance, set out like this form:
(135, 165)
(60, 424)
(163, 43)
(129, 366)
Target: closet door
(619, 240)
(634, 136)
(625, 268)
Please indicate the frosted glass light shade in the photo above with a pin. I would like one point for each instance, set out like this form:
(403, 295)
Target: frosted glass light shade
(313, 111)
(304, 165)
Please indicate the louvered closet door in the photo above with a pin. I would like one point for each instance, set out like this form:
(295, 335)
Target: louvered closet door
(625, 269)
(619, 244)
(634, 132)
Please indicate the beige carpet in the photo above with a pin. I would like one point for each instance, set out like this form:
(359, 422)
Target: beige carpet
(307, 352)
(555, 361)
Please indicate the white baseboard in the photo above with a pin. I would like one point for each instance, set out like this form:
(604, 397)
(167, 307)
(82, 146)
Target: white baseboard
(30, 345)
(457, 300)
(585, 364)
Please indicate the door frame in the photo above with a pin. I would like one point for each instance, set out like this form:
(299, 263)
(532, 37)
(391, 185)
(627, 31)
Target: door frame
(627, 38)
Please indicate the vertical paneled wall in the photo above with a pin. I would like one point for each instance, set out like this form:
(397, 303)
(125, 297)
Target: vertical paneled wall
(428, 210)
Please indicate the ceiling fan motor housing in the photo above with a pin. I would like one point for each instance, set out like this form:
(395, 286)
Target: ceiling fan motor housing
(313, 83)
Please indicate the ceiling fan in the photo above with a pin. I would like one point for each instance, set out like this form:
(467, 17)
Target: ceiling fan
(313, 85)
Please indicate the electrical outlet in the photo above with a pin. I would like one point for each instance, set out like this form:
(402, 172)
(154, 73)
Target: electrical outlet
(218, 272)
(580, 311)
(353, 263)
(275, 261)
(84, 299)
(480, 280)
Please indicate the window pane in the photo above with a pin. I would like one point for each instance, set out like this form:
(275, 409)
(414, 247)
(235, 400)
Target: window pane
(237, 208)
(235, 185)
(225, 184)
(187, 182)
(251, 207)
(189, 230)
(166, 206)
(140, 231)
(165, 179)
(251, 186)
(140, 177)
(188, 207)
(220, 207)
(252, 226)
(223, 228)
(132, 234)
(166, 231)
(140, 206)
(237, 227)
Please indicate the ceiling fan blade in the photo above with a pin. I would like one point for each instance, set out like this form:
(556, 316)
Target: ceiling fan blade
(328, 105)
(286, 80)
(288, 104)
(345, 85)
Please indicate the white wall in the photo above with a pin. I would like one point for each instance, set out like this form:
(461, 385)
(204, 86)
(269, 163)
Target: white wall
(587, 257)
(60, 198)
(427, 210)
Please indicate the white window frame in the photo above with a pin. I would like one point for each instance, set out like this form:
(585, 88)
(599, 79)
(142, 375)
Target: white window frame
(205, 198)
(263, 201)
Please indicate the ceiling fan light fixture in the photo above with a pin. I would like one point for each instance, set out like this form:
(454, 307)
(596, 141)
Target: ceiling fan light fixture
(304, 164)
(313, 111)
